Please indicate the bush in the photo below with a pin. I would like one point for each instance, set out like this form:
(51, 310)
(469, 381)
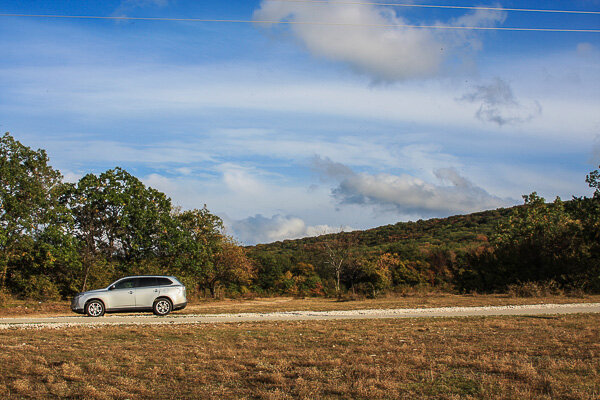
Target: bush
(40, 287)
(535, 289)
(4, 297)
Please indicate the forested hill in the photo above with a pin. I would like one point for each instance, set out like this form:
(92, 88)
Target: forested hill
(554, 243)
(453, 232)
(426, 252)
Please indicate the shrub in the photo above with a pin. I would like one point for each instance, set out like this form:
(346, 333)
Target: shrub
(40, 287)
(535, 289)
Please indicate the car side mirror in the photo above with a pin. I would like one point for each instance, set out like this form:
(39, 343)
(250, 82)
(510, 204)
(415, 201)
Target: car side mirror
(111, 287)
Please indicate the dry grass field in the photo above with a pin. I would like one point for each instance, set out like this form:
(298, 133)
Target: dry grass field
(496, 357)
(14, 307)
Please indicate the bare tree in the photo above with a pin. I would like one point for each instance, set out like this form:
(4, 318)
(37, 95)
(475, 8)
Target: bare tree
(337, 250)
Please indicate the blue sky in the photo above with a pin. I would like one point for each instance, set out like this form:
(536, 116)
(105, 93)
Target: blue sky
(293, 130)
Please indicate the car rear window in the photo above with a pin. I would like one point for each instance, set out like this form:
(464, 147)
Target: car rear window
(164, 281)
(147, 281)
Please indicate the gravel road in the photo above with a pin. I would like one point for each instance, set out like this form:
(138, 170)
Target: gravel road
(149, 319)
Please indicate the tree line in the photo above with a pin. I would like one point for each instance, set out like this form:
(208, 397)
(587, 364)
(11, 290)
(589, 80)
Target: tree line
(58, 238)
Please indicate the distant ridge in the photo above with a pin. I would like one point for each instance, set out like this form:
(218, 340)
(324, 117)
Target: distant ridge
(449, 231)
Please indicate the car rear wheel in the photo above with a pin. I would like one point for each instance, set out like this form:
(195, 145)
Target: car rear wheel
(162, 306)
(94, 308)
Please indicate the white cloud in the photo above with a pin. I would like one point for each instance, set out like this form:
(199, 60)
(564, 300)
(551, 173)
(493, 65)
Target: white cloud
(261, 229)
(499, 105)
(370, 44)
(406, 194)
(187, 94)
(478, 18)
(241, 180)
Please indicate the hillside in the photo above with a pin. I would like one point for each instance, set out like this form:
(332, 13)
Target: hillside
(426, 252)
(555, 245)
(454, 231)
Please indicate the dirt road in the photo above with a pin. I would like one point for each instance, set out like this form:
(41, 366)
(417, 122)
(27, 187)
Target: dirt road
(148, 319)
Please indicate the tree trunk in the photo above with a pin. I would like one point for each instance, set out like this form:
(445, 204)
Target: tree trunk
(85, 276)
(3, 275)
(212, 286)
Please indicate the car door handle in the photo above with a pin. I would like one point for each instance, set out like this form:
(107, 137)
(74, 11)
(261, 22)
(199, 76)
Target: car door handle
(131, 292)
(156, 290)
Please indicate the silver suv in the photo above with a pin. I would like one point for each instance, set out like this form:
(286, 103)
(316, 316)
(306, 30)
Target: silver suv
(160, 294)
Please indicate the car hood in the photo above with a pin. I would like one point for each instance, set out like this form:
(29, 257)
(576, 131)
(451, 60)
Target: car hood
(92, 291)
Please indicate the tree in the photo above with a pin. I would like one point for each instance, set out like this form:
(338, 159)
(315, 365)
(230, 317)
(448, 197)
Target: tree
(337, 251)
(231, 265)
(593, 180)
(28, 197)
(539, 242)
(402, 272)
(587, 212)
(194, 241)
(118, 218)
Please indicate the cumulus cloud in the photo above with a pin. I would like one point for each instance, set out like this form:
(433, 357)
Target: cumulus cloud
(261, 229)
(372, 42)
(406, 194)
(499, 105)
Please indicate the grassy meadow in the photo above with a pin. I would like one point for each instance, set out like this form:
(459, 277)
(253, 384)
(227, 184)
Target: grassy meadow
(480, 358)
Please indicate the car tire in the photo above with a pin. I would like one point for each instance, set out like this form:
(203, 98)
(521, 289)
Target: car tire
(94, 308)
(162, 306)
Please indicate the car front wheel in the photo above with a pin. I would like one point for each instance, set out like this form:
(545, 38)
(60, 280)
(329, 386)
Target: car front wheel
(94, 308)
(162, 307)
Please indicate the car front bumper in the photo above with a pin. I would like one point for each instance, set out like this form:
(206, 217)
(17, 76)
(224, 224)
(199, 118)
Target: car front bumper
(77, 306)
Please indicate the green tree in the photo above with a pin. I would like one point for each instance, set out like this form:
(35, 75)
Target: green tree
(116, 217)
(194, 241)
(51, 268)
(593, 180)
(587, 212)
(539, 242)
(28, 198)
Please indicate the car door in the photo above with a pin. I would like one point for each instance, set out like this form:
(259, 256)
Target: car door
(146, 292)
(123, 294)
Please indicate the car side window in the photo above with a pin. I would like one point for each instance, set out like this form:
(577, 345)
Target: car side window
(164, 281)
(125, 284)
(145, 282)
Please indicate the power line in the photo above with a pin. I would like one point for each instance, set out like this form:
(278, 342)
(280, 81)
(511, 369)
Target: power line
(437, 6)
(340, 24)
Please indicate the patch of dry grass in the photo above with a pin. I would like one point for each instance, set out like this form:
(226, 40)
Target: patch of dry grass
(12, 307)
(500, 357)
(417, 300)
(15, 307)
